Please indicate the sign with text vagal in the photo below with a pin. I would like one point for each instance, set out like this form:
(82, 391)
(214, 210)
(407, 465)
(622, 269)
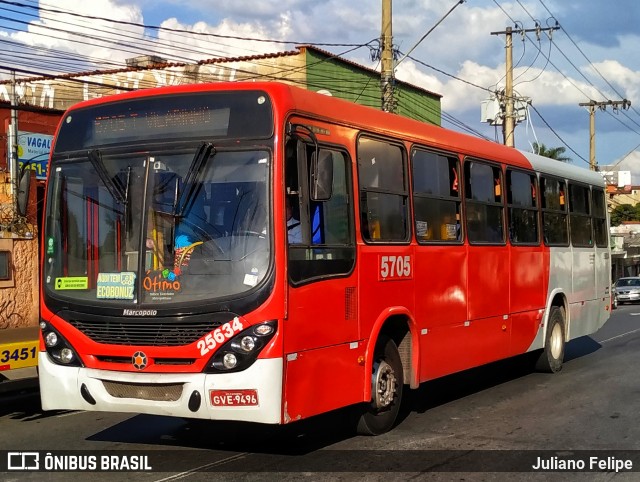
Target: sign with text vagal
(33, 149)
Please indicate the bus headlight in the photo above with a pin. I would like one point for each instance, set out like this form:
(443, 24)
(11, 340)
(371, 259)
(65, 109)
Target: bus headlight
(51, 339)
(229, 360)
(247, 343)
(59, 350)
(242, 350)
(66, 355)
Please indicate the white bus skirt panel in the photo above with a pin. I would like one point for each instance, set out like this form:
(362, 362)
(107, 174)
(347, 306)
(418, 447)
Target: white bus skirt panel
(60, 389)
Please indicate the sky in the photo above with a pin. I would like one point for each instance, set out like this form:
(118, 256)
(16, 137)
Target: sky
(592, 56)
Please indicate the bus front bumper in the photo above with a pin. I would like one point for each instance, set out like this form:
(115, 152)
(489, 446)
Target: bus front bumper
(252, 395)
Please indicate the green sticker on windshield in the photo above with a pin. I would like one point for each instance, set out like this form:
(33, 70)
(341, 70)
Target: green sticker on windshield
(50, 245)
(72, 283)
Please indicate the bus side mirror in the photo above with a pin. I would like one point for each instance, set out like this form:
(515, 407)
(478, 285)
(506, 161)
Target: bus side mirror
(321, 176)
(24, 185)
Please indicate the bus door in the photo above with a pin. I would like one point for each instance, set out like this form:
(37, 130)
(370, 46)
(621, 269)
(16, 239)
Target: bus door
(583, 294)
(602, 255)
(486, 335)
(321, 329)
(528, 274)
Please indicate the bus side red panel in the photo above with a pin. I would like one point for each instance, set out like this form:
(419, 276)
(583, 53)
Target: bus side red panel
(528, 288)
(441, 306)
(324, 379)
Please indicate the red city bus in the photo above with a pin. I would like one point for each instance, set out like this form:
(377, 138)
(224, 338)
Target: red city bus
(259, 252)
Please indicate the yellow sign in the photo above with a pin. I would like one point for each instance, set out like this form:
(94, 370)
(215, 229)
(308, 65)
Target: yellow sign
(20, 354)
(72, 283)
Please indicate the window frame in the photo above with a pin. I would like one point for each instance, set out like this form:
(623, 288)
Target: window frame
(469, 201)
(544, 210)
(415, 194)
(306, 217)
(404, 194)
(511, 206)
(5, 264)
(580, 215)
(601, 220)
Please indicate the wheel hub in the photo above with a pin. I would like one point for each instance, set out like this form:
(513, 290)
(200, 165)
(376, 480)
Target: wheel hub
(384, 384)
(556, 341)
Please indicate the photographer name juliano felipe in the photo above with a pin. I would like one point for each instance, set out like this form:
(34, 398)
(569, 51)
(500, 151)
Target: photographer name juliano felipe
(595, 464)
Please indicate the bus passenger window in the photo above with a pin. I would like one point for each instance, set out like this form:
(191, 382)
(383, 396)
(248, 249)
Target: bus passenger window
(522, 208)
(384, 200)
(483, 195)
(436, 197)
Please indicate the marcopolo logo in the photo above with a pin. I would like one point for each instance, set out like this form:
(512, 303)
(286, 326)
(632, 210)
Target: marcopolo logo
(126, 312)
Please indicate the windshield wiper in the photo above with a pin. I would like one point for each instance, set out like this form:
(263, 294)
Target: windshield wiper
(205, 151)
(116, 190)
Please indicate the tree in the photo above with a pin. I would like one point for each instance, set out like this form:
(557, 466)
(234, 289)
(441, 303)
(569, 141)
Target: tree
(625, 212)
(556, 153)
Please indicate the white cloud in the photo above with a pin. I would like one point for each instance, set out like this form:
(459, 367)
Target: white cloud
(88, 37)
(195, 47)
(626, 80)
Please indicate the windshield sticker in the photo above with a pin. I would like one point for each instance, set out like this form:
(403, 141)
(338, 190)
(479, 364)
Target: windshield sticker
(72, 283)
(161, 285)
(251, 279)
(115, 286)
(50, 245)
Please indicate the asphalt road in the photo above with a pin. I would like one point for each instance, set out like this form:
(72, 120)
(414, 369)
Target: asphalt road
(482, 424)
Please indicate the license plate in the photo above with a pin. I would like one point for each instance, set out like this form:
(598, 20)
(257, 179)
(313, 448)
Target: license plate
(234, 398)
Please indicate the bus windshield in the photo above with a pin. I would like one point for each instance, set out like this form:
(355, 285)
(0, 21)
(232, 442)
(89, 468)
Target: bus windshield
(161, 226)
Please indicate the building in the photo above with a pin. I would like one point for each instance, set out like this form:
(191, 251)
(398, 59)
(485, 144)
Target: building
(42, 101)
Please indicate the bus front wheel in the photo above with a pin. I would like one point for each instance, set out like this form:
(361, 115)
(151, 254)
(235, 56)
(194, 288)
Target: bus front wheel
(553, 352)
(386, 390)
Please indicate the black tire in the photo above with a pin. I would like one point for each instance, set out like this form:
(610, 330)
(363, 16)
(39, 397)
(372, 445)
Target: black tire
(552, 355)
(381, 414)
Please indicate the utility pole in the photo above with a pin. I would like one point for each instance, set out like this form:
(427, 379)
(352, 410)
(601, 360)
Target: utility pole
(592, 104)
(386, 59)
(13, 147)
(509, 123)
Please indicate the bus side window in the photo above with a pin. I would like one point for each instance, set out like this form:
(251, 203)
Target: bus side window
(436, 196)
(384, 196)
(522, 208)
(326, 246)
(483, 194)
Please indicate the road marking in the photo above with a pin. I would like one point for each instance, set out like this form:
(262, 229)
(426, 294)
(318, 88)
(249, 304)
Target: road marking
(620, 336)
(182, 475)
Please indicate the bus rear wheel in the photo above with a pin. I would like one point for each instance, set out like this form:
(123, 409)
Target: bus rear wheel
(386, 390)
(552, 355)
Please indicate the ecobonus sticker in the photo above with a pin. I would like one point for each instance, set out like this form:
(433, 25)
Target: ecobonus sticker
(115, 286)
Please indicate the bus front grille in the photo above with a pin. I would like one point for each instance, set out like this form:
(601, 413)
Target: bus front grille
(157, 392)
(156, 361)
(131, 333)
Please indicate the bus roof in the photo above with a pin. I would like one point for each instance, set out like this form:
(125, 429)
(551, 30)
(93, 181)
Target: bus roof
(306, 102)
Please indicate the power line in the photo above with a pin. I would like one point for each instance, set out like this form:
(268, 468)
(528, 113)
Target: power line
(556, 134)
(172, 30)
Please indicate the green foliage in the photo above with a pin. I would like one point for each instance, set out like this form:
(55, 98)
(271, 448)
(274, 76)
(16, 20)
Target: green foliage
(556, 153)
(625, 212)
